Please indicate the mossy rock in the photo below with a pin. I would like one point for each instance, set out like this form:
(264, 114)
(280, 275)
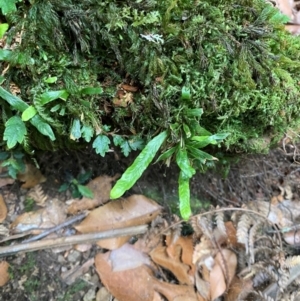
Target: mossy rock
(232, 59)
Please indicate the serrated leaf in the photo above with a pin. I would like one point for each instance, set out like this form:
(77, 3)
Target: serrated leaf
(85, 191)
(29, 113)
(8, 6)
(87, 132)
(75, 130)
(118, 140)
(42, 126)
(142, 161)
(136, 143)
(13, 100)
(51, 80)
(101, 145)
(3, 29)
(184, 196)
(91, 90)
(184, 163)
(83, 177)
(49, 96)
(4, 155)
(15, 131)
(63, 187)
(125, 148)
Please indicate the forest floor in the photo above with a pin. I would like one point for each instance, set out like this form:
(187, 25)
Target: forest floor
(71, 273)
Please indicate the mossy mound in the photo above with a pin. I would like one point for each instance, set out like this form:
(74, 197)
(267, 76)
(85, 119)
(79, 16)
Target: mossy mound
(232, 59)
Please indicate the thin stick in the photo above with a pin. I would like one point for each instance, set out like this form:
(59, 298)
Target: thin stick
(68, 222)
(71, 240)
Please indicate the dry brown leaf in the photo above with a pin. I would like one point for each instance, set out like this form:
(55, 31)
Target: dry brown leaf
(286, 7)
(31, 176)
(6, 181)
(292, 237)
(139, 283)
(48, 217)
(237, 287)
(3, 209)
(222, 273)
(174, 264)
(132, 211)
(129, 88)
(231, 234)
(100, 187)
(129, 285)
(4, 275)
(37, 194)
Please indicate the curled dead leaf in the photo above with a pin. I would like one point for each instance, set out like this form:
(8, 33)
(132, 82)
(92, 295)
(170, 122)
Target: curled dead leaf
(129, 88)
(4, 275)
(3, 209)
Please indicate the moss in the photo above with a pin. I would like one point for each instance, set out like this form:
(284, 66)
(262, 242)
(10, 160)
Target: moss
(239, 63)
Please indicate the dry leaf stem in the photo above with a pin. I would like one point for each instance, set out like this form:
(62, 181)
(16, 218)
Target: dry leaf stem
(71, 240)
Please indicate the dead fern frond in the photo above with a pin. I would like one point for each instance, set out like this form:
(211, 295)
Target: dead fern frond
(220, 222)
(252, 236)
(206, 226)
(292, 261)
(243, 227)
(284, 278)
(263, 296)
(196, 227)
(37, 194)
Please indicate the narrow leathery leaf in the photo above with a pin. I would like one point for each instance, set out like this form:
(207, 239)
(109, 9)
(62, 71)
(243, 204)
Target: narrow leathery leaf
(55, 108)
(42, 126)
(3, 29)
(101, 145)
(16, 102)
(91, 90)
(2, 79)
(85, 191)
(200, 155)
(29, 113)
(134, 172)
(187, 131)
(5, 54)
(220, 137)
(75, 130)
(194, 112)
(15, 131)
(185, 93)
(183, 162)
(87, 132)
(51, 80)
(184, 197)
(63, 187)
(167, 154)
(49, 96)
(203, 141)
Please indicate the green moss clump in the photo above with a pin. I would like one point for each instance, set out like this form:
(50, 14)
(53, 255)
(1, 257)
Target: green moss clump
(237, 60)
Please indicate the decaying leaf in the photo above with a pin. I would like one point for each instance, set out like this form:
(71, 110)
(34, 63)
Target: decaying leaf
(139, 283)
(4, 275)
(37, 194)
(132, 211)
(237, 287)
(48, 217)
(100, 187)
(3, 209)
(31, 176)
(6, 181)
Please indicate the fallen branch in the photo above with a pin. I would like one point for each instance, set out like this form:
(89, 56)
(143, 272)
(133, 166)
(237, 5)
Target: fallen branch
(71, 240)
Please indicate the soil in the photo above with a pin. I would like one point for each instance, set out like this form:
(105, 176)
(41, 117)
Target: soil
(42, 275)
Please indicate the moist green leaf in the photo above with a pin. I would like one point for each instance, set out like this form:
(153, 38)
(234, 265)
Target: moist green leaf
(101, 145)
(14, 101)
(75, 130)
(29, 113)
(42, 126)
(51, 80)
(199, 154)
(91, 90)
(52, 95)
(15, 131)
(167, 154)
(136, 143)
(118, 140)
(184, 196)
(133, 173)
(3, 29)
(85, 191)
(125, 148)
(8, 6)
(184, 163)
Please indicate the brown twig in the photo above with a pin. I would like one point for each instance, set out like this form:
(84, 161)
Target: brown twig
(71, 240)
